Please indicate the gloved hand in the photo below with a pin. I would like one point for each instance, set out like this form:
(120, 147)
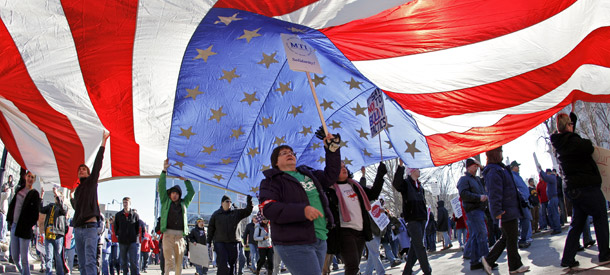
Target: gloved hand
(249, 199)
(331, 144)
(382, 169)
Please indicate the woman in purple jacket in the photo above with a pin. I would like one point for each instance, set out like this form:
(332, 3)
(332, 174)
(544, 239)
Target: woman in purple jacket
(293, 199)
(504, 205)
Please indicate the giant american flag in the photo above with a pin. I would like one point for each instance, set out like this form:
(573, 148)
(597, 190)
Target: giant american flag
(206, 83)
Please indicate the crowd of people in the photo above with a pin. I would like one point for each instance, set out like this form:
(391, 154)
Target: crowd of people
(309, 220)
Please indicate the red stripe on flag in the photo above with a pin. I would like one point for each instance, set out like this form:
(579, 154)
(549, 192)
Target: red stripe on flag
(6, 134)
(18, 87)
(594, 49)
(264, 7)
(451, 147)
(425, 26)
(103, 33)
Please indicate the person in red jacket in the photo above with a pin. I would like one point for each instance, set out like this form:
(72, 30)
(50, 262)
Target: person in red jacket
(544, 203)
(114, 262)
(156, 250)
(146, 245)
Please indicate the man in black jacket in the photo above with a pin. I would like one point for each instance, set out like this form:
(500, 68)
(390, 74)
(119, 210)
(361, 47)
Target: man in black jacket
(415, 214)
(127, 229)
(222, 229)
(55, 229)
(583, 188)
(474, 199)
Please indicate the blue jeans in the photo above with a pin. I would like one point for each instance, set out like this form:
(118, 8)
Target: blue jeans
(86, 249)
(525, 225)
(201, 270)
(303, 259)
(478, 236)
(544, 220)
(374, 261)
(446, 239)
(70, 259)
(253, 255)
(129, 252)
(105, 263)
(113, 261)
(241, 258)
(20, 249)
(53, 249)
(389, 253)
(144, 260)
(417, 252)
(461, 236)
(2, 227)
(553, 210)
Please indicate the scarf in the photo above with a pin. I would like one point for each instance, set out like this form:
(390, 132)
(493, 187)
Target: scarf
(343, 207)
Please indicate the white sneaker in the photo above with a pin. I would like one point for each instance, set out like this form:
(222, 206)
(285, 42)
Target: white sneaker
(486, 266)
(523, 268)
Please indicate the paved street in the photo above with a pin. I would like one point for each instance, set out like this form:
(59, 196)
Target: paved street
(543, 257)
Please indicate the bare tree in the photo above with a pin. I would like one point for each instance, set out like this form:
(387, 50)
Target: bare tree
(442, 179)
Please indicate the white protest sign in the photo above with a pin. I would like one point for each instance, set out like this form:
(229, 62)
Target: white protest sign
(602, 158)
(457, 208)
(377, 117)
(242, 199)
(198, 254)
(377, 214)
(300, 55)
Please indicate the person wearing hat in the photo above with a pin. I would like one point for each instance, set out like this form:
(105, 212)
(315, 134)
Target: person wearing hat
(551, 193)
(292, 197)
(222, 231)
(474, 200)
(525, 222)
(197, 237)
(174, 222)
(415, 213)
(583, 188)
(504, 205)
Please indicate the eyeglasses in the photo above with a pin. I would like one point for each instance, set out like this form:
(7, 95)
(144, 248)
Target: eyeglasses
(286, 153)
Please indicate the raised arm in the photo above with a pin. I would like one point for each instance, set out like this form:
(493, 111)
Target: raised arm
(398, 181)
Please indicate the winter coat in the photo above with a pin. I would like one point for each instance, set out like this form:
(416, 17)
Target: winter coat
(471, 188)
(413, 198)
(503, 194)
(29, 213)
(574, 155)
(248, 234)
(223, 224)
(259, 235)
(58, 226)
(442, 221)
(166, 201)
(127, 228)
(197, 235)
(284, 201)
(334, 239)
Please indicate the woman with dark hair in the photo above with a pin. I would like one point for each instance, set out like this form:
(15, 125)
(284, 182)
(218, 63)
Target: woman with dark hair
(504, 205)
(23, 215)
(293, 199)
(349, 202)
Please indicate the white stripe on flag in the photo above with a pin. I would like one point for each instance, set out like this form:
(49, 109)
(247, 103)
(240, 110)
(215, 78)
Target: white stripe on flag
(328, 13)
(44, 40)
(489, 61)
(590, 79)
(32, 143)
(156, 65)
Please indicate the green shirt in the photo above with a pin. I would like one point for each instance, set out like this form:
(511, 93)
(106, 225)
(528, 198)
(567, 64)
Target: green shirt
(319, 224)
